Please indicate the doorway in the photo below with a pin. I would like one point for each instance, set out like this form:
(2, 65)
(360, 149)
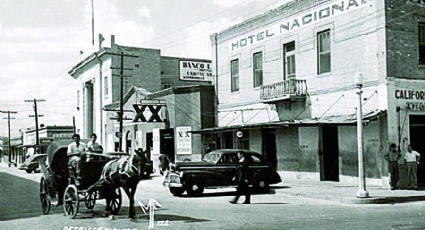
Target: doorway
(269, 146)
(329, 154)
(149, 145)
(417, 132)
(167, 143)
(128, 142)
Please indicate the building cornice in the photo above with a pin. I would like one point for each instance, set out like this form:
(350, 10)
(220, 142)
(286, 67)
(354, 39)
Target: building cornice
(86, 61)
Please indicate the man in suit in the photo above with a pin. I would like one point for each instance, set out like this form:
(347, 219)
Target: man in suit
(243, 182)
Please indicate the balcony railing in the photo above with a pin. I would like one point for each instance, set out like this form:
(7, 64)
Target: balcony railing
(283, 90)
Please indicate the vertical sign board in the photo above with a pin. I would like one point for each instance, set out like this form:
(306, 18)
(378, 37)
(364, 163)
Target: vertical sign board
(184, 140)
(155, 141)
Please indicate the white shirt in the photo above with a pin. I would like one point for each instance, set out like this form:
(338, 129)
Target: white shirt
(411, 157)
(73, 148)
(94, 146)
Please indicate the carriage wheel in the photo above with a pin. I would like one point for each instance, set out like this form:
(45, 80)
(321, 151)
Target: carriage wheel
(70, 201)
(115, 202)
(44, 197)
(90, 199)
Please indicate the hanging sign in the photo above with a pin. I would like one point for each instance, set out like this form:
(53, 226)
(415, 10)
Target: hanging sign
(195, 71)
(184, 140)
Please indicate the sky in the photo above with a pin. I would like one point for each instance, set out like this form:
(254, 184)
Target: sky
(40, 41)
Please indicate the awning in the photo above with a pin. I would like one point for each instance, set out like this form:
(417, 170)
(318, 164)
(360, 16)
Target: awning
(340, 120)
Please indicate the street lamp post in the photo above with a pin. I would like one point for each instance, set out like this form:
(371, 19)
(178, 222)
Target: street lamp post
(362, 193)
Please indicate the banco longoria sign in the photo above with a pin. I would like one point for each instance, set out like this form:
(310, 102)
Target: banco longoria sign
(288, 25)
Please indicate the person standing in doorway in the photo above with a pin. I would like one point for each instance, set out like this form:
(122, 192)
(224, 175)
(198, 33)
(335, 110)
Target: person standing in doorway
(392, 157)
(242, 179)
(412, 160)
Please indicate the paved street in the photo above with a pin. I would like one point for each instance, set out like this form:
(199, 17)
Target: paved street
(282, 209)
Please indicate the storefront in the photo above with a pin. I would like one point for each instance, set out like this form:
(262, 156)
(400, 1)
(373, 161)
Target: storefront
(162, 122)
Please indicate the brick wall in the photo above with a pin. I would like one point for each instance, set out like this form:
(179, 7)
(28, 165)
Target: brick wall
(402, 18)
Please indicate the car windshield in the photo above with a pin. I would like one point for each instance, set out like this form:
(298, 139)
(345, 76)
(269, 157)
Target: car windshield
(212, 157)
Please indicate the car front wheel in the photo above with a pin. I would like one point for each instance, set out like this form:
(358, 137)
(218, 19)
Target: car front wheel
(177, 191)
(259, 182)
(195, 187)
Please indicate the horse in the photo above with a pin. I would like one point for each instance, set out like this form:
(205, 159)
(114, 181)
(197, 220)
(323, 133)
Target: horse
(125, 172)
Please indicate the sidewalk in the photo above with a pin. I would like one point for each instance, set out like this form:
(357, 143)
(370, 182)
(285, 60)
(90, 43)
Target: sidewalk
(335, 192)
(345, 192)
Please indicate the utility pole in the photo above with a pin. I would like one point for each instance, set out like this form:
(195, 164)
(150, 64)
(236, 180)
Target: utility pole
(121, 75)
(8, 124)
(37, 139)
(92, 23)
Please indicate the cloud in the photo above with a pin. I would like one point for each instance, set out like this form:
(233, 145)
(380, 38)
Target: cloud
(194, 42)
(145, 12)
(227, 3)
(109, 22)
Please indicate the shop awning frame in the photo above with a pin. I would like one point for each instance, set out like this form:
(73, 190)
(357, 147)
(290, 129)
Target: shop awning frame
(338, 120)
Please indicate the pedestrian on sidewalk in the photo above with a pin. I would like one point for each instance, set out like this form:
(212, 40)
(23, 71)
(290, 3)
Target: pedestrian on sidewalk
(243, 182)
(392, 156)
(412, 160)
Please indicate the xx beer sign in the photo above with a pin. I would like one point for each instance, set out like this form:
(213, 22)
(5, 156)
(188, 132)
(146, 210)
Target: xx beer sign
(141, 112)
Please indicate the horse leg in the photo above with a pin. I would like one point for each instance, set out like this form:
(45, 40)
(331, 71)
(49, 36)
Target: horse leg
(108, 196)
(127, 191)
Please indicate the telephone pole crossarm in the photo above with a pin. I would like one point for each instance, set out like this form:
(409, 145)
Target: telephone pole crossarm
(8, 125)
(37, 139)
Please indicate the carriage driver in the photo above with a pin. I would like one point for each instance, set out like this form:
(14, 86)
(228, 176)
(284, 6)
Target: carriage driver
(75, 147)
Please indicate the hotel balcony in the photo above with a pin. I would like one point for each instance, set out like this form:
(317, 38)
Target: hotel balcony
(285, 90)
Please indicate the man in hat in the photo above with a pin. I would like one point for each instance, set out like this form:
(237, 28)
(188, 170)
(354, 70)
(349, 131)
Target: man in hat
(392, 157)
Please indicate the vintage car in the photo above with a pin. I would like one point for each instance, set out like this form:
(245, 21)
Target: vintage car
(218, 169)
(31, 165)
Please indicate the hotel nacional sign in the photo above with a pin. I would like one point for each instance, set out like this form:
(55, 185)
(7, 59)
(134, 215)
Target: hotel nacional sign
(328, 11)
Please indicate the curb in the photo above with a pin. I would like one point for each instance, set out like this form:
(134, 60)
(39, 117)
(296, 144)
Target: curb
(382, 200)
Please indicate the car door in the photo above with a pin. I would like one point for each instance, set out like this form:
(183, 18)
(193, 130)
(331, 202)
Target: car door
(227, 166)
(256, 164)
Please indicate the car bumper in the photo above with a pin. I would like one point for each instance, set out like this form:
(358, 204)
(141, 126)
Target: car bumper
(172, 180)
(23, 167)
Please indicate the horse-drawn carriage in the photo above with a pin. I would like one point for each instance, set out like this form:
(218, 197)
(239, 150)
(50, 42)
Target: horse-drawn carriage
(68, 180)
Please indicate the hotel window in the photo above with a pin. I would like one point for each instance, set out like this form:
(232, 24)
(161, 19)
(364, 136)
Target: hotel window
(258, 69)
(289, 60)
(105, 86)
(323, 52)
(234, 69)
(421, 42)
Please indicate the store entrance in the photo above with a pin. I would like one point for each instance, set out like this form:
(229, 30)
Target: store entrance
(329, 154)
(269, 146)
(417, 132)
